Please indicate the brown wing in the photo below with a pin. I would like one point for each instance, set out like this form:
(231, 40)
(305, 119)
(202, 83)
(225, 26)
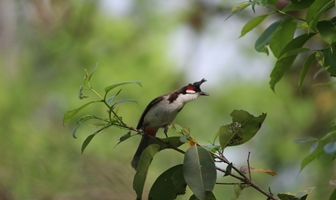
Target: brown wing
(152, 103)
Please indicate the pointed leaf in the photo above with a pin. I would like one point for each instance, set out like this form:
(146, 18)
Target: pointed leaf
(327, 29)
(163, 187)
(282, 36)
(305, 68)
(142, 169)
(124, 137)
(123, 100)
(110, 99)
(264, 39)
(228, 169)
(91, 74)
(87, 142)
(80, 122)
(199, 171)
(282, 65)
(252, 24)
(315, 10)
(86, 75)
(68, 116)
(298, 5)
(330, 60)
(302, 195)
(237, 9)
(314, 155)
(111, 87)
(243, 127)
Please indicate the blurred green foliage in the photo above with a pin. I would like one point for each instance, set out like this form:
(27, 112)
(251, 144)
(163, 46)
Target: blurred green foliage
(44, 48)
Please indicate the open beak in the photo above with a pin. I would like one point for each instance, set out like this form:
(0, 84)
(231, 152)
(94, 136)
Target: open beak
(204, 94)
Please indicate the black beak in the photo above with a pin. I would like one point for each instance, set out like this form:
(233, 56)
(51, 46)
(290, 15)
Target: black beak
(204, 94)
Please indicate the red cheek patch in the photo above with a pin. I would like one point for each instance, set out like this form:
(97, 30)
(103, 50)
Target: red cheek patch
(190, 88)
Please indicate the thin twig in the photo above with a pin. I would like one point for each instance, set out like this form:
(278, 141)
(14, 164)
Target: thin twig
(248, 165)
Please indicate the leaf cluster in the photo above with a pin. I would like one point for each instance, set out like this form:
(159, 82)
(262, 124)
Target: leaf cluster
(287, 36)
(109, 101)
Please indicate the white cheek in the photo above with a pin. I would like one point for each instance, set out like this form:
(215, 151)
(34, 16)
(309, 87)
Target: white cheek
(190, 91)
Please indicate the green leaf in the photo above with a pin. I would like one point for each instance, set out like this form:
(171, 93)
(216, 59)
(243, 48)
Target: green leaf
(111, 87)
(333, 195)
(212, 148)
(164, 187)
(91, 74)
(330, 60)
(237, 188)
(282, 65)
(272, 2)
(320, 57)
(123, 100)
(68, 116)
(110, 99)
(298, 5)
(294, 52)
(124, 137)
(330, 148)
(86, 75)
(282, 36)
(142, 169)
(316, 9)
(327, 30)
(305, 68)
(238, 8)
(199, 171)
(264, 39)
(314, 155)
(87, 142)
(305, 139)
(228, 169)
(179, 182)
(252, 24)
(209, 195)
(244, 126)
(302, 195)
(254, 2)
(80, 122)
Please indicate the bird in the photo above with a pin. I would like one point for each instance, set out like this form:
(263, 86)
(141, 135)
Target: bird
(161, 112)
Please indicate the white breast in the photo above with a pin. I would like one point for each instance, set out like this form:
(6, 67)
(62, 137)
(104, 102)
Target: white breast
(164, 112)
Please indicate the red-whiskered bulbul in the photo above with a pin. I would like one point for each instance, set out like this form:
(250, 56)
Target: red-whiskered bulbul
(162, 111)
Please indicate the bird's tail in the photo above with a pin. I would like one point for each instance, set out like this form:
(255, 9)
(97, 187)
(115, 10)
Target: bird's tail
(142, 146)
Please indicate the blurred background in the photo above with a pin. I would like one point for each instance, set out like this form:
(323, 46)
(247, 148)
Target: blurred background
(45, 45)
